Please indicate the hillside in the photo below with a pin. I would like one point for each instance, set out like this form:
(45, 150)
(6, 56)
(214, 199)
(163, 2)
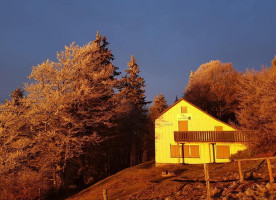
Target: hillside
(145, 181)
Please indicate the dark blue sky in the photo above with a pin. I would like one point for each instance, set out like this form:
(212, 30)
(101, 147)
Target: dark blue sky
(168, 38)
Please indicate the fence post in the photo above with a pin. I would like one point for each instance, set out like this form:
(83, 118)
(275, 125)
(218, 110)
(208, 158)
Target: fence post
(105, 194)
(240, 171)
(269, 171)
(206, 171)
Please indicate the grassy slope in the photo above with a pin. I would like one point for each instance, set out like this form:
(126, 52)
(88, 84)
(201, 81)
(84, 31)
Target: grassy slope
(145, 181)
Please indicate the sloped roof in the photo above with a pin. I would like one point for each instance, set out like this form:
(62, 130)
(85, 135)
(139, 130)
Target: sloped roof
(182, 99)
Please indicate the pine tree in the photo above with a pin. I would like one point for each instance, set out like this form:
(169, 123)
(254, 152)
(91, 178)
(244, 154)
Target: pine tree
(133, 86)
(132, 128)
(159, 105)
(176, 99)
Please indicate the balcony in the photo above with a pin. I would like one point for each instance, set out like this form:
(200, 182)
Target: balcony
(210, 136)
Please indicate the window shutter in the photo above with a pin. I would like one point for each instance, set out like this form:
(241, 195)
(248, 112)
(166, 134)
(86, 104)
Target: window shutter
(218, 128)
(183, 109)
(174, 151)
(223, 152)
(186, 151)
(194, 151)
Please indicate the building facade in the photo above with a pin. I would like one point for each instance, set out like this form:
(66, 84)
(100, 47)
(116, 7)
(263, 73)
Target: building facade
(186, 134)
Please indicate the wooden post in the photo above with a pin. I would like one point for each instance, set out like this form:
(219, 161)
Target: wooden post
(206, 171)
(214, 154)
(269, 171)
(240, 171)
(105, 194)
(178, 153)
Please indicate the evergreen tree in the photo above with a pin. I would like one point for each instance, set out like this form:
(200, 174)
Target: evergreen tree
(132, 129)
(159, 105)
(133, 86)
(176, 99)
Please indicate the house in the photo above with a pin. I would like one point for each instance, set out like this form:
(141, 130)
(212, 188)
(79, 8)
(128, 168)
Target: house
(186, 134)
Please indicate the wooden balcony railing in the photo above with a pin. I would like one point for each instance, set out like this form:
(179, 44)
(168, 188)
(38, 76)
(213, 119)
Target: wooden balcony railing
(211, 136)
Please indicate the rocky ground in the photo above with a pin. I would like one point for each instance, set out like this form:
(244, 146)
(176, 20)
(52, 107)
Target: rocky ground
(146, 181)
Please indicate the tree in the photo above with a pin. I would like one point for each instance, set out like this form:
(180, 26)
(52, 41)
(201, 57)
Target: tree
(257, 94)
(70, 107)
(273, 62)
(159, 105)
(212, 88)
(132, 128)
(176, 98)
(132, 87)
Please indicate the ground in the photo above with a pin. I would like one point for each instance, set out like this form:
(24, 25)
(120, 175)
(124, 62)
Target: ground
(145, 181)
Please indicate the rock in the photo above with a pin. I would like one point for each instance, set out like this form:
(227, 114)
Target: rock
(167, 173)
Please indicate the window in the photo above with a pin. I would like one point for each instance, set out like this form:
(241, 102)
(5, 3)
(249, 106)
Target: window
(223, 152)
(191, 151)
(183, 125)
(183, 109)
(175, 151)
(218, 128)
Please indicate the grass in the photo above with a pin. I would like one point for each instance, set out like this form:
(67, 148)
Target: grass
(145, 181)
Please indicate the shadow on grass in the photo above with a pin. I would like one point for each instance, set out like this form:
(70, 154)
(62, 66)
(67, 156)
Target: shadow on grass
(160, 180)
(146, 165)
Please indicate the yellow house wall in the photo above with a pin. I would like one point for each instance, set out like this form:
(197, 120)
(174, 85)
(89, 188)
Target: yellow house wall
(166, 124)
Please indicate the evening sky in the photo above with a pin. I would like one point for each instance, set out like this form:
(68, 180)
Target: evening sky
(168, 38)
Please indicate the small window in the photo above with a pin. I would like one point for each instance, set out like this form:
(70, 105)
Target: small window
(175, 152)
(183, 109)
(218, 128)
(223, 152)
